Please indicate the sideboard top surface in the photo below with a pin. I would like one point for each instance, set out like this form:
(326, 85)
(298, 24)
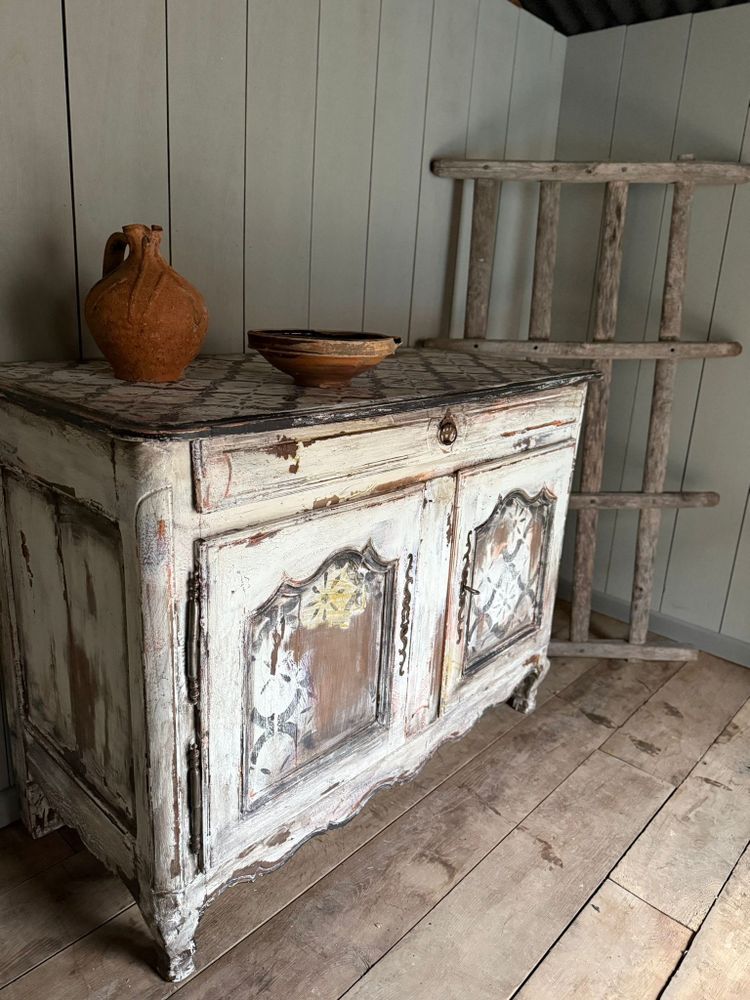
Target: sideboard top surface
(242, 393)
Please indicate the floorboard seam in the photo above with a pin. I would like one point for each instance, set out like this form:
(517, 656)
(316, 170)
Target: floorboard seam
(468, 872)
(709, 746)
(610, 753)
(700, 925)
(716, 738)
(625, 721)
(596, 889)
(24, 881)
(59, 951)
(646, 901)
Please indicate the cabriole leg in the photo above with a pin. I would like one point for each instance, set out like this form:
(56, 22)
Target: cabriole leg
(173, 922)
(523, 698)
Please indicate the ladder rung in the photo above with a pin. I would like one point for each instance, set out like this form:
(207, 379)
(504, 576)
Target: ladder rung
(607, 351)
(637, 501)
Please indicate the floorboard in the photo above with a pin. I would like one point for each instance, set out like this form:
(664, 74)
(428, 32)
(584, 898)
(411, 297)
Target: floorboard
(717, 966)
(620, 685)
(485, 936)
(672, 731)
(618, 946)
(43, 915)
(570, 853)
(682, 859)
(21, 857)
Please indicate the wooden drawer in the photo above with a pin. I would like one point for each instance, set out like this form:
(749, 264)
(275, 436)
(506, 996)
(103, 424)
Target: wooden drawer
(321, 467)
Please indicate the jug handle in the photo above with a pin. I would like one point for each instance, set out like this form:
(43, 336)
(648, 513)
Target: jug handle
(114, 253)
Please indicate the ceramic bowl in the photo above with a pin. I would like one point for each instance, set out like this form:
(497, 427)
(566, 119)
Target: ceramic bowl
(322, 358)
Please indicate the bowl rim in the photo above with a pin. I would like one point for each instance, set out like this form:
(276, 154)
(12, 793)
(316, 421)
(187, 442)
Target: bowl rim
(327, 343)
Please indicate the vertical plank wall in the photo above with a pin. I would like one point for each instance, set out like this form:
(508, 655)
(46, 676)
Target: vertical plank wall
(284, 145)
(655, 91)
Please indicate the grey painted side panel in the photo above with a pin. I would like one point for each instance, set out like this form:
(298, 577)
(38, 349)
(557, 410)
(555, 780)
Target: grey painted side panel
(38, 316)
(118, 116)
(206, 68)
(683, 86)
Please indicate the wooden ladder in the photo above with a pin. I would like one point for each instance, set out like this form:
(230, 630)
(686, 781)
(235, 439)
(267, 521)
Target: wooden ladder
(684, 175)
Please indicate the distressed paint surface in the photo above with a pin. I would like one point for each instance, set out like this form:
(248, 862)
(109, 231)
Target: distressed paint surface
(69, 607)
(246, 393)
(287, 602)
(508, 530)
(288, 466)
(508, 574)
(319, 675)
(314, 666)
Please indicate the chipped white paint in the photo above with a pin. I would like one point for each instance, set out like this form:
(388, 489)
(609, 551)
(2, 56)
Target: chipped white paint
(474, 667)
(293, 634)
(256, 470)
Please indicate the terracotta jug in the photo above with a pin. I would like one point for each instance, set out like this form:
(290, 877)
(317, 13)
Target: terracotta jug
(147, 320)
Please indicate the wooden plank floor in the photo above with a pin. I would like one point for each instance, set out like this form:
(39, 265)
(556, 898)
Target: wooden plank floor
(595, 849)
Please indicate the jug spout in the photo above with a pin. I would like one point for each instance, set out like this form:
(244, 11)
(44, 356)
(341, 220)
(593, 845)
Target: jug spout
(142, 238)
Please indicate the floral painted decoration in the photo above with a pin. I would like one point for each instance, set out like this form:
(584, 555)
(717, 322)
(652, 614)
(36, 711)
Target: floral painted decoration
(335, 599)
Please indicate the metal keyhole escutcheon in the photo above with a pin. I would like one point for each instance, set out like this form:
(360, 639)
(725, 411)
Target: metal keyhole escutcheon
(447, 432)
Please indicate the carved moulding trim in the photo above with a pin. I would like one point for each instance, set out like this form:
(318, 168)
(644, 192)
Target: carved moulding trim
(545, 500)
(34, 481)
(292, 588)
(162, 662)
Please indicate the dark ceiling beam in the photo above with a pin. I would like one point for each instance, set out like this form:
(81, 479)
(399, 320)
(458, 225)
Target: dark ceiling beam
(615, 16)
(562, 15)
(572, 17)
(597, 15)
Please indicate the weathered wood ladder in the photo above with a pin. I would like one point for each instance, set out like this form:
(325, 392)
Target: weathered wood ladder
(684, 175)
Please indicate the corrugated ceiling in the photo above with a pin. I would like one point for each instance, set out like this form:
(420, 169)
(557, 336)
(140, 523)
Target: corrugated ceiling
(573, 17)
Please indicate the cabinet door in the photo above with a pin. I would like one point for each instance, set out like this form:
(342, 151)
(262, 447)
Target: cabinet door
(308, 629)
(509, 526)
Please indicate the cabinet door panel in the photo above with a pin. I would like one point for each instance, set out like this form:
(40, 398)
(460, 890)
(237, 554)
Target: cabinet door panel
(510, 519)
(504, 594)
(310, 629)
(317, 666)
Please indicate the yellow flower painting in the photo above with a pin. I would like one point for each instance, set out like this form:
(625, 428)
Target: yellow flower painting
(335, 600)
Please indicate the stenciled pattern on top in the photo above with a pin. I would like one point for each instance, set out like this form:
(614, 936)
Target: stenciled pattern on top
(245, 390)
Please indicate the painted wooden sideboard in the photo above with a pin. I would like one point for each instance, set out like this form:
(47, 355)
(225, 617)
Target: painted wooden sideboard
(233, 608)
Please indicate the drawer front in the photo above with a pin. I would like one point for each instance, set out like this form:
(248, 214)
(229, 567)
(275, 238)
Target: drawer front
(321, 466)
(510, 520)
(310, 631)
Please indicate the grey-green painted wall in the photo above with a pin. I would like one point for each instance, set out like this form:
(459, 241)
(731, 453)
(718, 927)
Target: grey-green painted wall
(648, 92)
(284, 145)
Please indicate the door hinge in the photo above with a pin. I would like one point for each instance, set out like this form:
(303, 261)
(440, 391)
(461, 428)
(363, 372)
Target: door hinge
(194, 764)
(195, 798)
(464, 588)
(192, 652)
(406, 614)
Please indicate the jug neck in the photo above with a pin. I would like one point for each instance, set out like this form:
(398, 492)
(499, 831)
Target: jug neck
(143, 240)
